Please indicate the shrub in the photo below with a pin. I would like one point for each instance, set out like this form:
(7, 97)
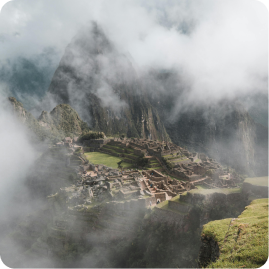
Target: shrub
(92, 135)
(168, 164)
(141, 161)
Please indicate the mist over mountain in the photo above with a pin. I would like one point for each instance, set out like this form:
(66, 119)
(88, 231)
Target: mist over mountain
(28, 78)
(103, 86)
(190, 77)
(116, 97)
(50, 127)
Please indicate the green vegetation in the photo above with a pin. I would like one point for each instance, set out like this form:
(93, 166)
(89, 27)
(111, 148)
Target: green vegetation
(168, 164)
(201, 187)
(216, 229)
(62, 121)
(155, 167)
(175, 199)
(141, 161)
(258, 181)
(91, 135)
(112, 147)
(163, 204)
(179, 160)
(66, 119)
(243, 242)
(105, 159)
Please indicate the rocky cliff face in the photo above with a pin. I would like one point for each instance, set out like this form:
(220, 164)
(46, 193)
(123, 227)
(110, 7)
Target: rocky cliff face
(62, 121)
(37, 130)
(227, 133)
(102, 85)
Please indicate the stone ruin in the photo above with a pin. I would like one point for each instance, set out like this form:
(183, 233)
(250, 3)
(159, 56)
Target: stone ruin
(194, 169)
(102, 194)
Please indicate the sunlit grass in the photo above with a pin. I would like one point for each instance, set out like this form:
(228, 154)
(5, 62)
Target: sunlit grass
(106, 159)
(245, 243)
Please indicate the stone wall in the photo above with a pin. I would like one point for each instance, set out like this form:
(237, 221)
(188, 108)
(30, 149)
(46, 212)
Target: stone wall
(162, 196)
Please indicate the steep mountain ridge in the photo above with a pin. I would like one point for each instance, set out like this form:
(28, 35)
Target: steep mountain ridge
(229, 137)
(104, 87)
(62, 121)
(63, 118)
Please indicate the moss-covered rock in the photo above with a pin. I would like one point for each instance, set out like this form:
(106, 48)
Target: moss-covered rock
(65, 119)
(37, 130)
(61, 122)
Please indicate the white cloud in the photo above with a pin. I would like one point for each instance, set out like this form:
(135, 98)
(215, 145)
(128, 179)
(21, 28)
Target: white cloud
(220, 47)
(16, 156)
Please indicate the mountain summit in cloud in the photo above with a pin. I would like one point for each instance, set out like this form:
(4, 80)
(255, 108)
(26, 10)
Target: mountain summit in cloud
(102, 85)
(115, 97)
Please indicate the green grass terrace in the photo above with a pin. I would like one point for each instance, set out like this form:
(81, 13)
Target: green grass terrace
(243, 242)
(106, 159)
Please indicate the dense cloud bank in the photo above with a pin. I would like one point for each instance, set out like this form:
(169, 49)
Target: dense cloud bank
(16, 157)
(218, 49)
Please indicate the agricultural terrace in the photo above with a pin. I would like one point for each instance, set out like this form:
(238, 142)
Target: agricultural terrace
(105, 159)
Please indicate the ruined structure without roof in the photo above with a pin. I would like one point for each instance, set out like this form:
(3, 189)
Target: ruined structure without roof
(193, 167)
(99, 182)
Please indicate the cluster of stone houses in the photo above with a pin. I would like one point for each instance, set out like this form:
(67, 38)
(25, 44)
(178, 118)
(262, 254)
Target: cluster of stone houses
(101, 193)
(192, 171)
(149, 147)
(154, 147)
(196, 166)
(99, 182)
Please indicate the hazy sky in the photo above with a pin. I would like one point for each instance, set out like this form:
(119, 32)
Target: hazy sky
(220, 47)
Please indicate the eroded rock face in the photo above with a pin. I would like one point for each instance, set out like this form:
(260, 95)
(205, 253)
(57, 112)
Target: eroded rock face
(225, 132)
(102, 85)
(18, 109)
(61, 122)
(64, 119)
